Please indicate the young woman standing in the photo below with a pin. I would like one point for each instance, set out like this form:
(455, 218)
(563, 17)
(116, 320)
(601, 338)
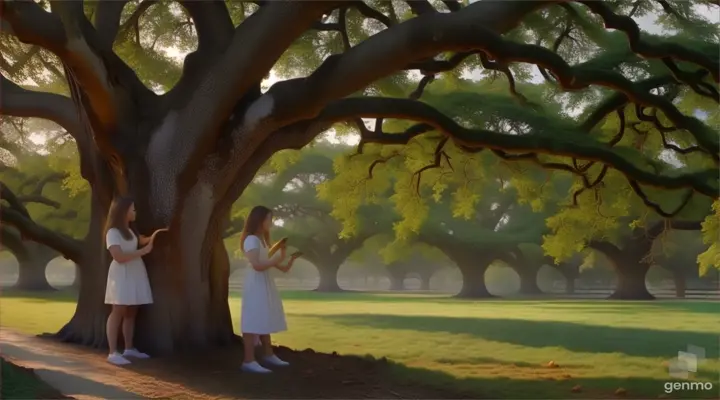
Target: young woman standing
(127, 283)
(262, 308)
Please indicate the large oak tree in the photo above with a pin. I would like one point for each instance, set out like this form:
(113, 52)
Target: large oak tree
(187, 152)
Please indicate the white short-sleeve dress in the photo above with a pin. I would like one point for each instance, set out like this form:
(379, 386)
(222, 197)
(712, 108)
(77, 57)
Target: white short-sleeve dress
(127, 283)
(262, 309)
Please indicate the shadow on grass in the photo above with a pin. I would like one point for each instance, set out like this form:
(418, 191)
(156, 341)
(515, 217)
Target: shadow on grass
(68, 296)
(698, 307)
(567, 335)
(316, 375)
(548, 387)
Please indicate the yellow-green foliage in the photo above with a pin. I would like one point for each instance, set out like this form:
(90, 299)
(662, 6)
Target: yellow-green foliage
(711, 237)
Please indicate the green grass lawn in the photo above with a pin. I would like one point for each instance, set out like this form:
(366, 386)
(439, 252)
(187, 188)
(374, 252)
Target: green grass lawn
(496, 349)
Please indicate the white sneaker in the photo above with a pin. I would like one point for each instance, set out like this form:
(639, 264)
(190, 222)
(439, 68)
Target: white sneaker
(134, 354)
(117, 359)
(255, 368)
(275, 361)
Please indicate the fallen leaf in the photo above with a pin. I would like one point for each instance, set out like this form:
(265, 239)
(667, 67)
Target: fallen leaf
(620, 392)
(576, 389)
(552, 364)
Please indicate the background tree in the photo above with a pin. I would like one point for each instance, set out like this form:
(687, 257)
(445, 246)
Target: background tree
(38, 217)
(415, 258)
(187, 137)
(677, 252)
(291, 191)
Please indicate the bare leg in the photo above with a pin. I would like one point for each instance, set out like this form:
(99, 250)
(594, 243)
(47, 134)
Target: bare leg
(113, 326)
(128, 326)
(249, 346)
(266, 345)
(269, 356)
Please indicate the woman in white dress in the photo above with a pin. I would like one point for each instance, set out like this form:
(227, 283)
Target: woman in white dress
(127, 283)
(262, 309)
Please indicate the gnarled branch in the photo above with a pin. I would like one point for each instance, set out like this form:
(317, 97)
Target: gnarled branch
(19, 102)
(704, 182)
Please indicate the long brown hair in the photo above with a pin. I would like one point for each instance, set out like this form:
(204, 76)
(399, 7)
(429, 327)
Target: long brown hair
(253, 225)
(117, 217)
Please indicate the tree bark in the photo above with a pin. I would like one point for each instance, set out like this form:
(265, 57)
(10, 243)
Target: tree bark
(528, 280)
(569, 285)
(32, 268)
(328, 277)
(680, 284)
(397, 282)
(630, 267)
(631, 280)
(473, 286)
(425, 280)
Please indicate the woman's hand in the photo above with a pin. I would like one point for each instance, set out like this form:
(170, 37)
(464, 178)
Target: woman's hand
(148, 248)
(289, 265)
(152, 237)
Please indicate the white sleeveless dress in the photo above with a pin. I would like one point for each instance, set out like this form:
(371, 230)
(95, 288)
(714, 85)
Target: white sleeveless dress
(262, 309)
(127, 283)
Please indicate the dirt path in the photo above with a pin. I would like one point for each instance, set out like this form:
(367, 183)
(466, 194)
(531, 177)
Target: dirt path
(84, 374)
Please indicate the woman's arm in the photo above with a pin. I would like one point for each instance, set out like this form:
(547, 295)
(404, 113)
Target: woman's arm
(122, 257)
(286, 268)
(258, 265)
(143, 240)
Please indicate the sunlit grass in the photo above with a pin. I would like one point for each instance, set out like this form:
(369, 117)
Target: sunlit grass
(495, 349)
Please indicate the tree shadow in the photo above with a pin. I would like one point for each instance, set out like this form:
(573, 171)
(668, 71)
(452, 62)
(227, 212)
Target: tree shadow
(693, 306)
(65, 296)
(538, 334)
(559, 386)
(317, 375)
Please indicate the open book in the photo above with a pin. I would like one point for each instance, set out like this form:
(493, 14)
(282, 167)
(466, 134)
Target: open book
(277, 246)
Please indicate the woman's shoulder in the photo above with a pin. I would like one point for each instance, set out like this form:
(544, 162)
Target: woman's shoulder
(117, 233)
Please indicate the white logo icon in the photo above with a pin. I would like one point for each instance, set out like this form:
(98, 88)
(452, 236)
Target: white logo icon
(686, 362)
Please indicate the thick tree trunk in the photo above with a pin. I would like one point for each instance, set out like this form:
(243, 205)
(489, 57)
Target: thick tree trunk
(528, 280)
(680, 284)
(87, 325)
(630, 266)
(328, 277)
(473, 286)
(32, 265)
(425, 281)
(569, 285)
(189, 283)
(31, 269)
(631, 275)
(397, 283)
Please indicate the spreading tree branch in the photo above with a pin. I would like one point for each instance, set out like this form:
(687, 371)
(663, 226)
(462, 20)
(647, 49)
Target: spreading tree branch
(107, 20)
(544, 141)
(212, 23)
(18, 216)
(18, 102)
(253, 50)
(653, 50)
